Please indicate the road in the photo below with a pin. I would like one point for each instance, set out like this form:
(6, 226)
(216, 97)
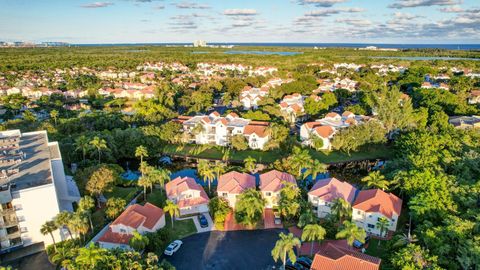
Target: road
(227, 250)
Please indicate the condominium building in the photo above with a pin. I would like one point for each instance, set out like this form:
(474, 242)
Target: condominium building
(214, 129)
(33, 188)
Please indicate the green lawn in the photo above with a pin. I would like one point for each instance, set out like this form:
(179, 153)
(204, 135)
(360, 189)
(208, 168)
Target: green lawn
(156, 197)
(126, 193)
(181, 228)
(218, 152)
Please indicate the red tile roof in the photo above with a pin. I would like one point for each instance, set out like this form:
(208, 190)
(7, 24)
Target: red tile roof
(116, 238)
(376, 200)
(333, 255)
(178, 185)
(235, 182)
(324, 131)
(258, 129)
(332, 115)
(311, 125)
(332, 188)
(137, 215)
(273, 180)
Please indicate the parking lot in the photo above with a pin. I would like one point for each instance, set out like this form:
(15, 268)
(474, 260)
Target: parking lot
(227, 250)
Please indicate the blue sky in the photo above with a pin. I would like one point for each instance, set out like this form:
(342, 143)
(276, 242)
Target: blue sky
(137, 21)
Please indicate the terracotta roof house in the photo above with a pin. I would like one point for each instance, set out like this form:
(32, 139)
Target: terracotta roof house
(372, 204)
(188, 195)
(333, 255)
(271, 183)
(140, 218)
(219, 130)
(325, 191)
(232, 184)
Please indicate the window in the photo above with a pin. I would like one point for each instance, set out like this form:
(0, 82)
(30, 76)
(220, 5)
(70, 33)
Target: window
(123, 231)
(224, 194)
(359, 212)
(268, 194)
(371, 226)
(23, 229)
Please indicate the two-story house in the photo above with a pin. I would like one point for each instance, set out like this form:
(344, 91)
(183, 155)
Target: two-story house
(232, 184)
(325, 191)
(141, 218)
(214, 129)
(188, 195)
(271, 183)
(371, 205)
(250, 96)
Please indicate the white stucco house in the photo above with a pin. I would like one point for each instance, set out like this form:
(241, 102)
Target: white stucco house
(141, 218)
(371, 205)
(188, 195)
(232, 184)
(217, 130)
(326, 191)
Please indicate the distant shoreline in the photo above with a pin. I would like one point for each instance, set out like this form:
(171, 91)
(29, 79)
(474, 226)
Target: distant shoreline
(308, 45)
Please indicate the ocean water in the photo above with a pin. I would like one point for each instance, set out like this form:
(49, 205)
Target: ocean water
(311, 45)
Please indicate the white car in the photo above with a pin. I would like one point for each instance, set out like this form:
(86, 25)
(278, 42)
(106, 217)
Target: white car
(173, 247)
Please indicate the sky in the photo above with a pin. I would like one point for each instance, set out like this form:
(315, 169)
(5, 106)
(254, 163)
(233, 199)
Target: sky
(169, 21)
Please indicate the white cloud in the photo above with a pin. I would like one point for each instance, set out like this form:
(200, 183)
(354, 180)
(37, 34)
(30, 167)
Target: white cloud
(97, 5)
(320, 3)
(240, 12)
(423, 3)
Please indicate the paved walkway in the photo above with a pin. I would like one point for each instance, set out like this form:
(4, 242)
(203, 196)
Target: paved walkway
(237, 250)
(210, 227)
(269, 220)
(231, 224)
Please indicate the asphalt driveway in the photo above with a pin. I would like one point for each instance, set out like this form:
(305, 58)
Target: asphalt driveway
(227, 250)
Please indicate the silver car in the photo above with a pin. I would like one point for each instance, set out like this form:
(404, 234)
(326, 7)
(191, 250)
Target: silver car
(173, 247)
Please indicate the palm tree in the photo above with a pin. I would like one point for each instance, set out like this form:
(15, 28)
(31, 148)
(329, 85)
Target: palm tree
(138, 242)
(63, 253)
(141, 152)
(313, 232)
(172, 209)
(79, 224)
(206, 171)
(284, 247)
(314, 168)
(249, 207)
(162, 176)
(99, 144)
(218, 168)
(382, 225)
(299, 159)
(376, 180)
(63, 220)
(82, 144)
(90, 256)
(341, 209)
(307, 217)
(54, 116)
(85, 205)
(144, 181)
(250, 164)
(351, 232)
(48, 228)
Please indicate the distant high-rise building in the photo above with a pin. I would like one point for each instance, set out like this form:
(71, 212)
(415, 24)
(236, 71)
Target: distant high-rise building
(33, 189)
(199, 43)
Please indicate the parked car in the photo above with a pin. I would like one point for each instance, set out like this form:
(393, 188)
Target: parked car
(277, 219)
(203, 221)
(173, 247)
(305, 262)
(358, 244)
